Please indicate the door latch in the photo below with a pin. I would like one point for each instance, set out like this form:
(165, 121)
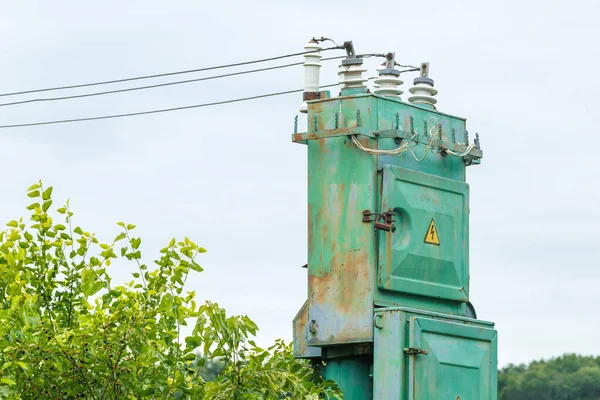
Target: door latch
(383, 221)
(415, 351)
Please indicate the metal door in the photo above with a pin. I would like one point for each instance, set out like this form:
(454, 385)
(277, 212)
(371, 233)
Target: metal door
(451, 361)
(427, 252)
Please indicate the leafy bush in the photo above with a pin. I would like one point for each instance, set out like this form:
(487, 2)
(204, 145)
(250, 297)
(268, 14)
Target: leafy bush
(68, 332)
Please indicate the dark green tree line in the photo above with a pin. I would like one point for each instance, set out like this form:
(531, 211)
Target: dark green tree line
(569, 377)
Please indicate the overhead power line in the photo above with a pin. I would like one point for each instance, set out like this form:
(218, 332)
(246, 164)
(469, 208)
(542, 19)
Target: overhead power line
(159, 84)
(64, 121)
(167, 74)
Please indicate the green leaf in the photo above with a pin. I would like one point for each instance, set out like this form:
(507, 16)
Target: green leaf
(120, 236)
(135, 243)
(96, 287)
(24, 367)
(33, 206)
(33, 187)
(88, 280)
(46, 205)
(35, 193)
(8, 381)
(47, 194)
(78, 230)
(13, 224)
(193, 341)
(130, 226)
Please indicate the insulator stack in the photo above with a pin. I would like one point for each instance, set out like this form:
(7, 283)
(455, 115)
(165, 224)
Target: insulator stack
(423, 90)
(312, 67)
(388, 81)
(351, 72)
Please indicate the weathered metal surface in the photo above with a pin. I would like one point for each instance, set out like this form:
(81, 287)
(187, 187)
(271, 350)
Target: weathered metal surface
(306, 96)
(370, 244)
(303, 137)
(460, 359)
(341, 256)
(300, 329)
(343, 182)
(407, 261)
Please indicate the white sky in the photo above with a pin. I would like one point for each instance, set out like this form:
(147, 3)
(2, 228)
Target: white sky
(522, 72)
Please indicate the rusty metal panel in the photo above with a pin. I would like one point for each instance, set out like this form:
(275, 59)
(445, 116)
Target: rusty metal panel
(427, 253)
(341, 248)
(300, 329)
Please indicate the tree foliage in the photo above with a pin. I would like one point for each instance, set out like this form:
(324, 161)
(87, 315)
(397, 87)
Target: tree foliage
(569, 377)
(67, 331)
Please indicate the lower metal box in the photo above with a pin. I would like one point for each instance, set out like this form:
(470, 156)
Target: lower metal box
(420, 355)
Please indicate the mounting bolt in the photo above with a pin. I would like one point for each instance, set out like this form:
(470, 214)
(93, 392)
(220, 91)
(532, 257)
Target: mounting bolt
(313, 326)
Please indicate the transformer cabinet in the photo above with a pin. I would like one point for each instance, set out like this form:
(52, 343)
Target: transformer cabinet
(388, 306)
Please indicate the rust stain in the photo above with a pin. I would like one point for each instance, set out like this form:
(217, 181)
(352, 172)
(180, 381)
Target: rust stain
(322, 146)
(316, 108)
(351, 273)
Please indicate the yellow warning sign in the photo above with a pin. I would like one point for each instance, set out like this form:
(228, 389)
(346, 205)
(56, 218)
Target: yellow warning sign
(431, 237)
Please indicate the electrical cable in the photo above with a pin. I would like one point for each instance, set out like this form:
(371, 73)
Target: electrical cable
(157, 111)
(464, 153)
(160, 84)
(434, 130)
(407, 66)
(398, 150)
(427, 149)
(168, 73)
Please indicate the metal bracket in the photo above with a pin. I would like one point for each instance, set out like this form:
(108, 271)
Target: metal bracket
(349, 49)
(414, 351)
(387, 218)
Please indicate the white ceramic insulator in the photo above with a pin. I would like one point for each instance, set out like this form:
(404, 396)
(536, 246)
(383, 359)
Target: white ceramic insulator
(387, 85)
(312, 70)
(351, 76)
(312, 66)
(423, 94)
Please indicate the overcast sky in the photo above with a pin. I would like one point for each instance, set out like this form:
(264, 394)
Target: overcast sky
(524, 74)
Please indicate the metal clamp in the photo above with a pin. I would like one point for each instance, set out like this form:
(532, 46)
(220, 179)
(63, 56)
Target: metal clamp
(387, 218)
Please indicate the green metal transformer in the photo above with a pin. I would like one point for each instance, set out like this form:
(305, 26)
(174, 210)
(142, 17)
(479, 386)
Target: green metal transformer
(388, 306)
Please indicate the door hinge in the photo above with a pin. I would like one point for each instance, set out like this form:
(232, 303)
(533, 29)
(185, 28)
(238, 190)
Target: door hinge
(414, 350)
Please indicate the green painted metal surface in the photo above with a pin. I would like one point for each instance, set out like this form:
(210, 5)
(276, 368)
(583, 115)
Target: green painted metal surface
(460, 360)
(459, 363)
(355, 269)
(427, 254)
(353, 376)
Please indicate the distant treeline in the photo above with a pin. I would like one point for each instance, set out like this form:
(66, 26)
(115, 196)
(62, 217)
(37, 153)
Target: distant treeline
(569, 377)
